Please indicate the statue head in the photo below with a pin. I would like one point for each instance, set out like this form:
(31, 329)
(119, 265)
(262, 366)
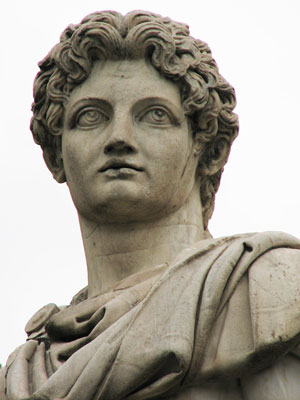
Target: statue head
(207, 99)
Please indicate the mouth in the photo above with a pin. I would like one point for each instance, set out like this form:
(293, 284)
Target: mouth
(113, 165)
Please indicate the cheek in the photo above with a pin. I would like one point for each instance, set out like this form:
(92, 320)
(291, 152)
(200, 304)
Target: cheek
(168, 164)
(75, 156)
(168, 147)
(173, 156)
(72, 163)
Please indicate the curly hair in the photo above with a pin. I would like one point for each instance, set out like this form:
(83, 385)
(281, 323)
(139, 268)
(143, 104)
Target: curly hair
(208, 99)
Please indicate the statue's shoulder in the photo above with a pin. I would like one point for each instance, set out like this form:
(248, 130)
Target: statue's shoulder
(282, 257)
(4, 370)
(273, 278)
(274, 291)
(259, 315)
(269, 249)
(2, 384)
(279, 264)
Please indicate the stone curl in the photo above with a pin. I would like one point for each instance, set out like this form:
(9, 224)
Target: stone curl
(207, 98)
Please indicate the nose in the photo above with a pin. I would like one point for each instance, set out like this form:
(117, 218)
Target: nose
(122, 138)
(119, 146)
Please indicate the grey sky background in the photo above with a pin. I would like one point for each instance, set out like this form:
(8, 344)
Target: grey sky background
(256, 45)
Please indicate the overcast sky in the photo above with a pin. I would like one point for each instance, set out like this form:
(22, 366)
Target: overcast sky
(256, 45)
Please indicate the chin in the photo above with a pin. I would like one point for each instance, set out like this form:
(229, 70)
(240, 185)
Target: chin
(124, 211)
(127, 204)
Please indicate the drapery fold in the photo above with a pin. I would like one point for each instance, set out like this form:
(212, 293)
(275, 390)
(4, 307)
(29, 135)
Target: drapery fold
(225, 307)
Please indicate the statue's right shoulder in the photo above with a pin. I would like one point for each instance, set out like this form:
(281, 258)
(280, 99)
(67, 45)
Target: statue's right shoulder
(2, 384)
(3, 372)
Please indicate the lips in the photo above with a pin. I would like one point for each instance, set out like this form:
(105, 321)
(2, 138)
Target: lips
(117, 165)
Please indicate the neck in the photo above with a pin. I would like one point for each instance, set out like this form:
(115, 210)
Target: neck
(115, 251)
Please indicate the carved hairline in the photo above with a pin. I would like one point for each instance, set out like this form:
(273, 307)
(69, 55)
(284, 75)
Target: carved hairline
(206, 97)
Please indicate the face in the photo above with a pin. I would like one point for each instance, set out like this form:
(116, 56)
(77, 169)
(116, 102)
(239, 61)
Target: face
(127, 146)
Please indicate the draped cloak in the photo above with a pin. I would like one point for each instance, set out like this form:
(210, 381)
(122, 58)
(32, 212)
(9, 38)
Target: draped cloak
(224, 309)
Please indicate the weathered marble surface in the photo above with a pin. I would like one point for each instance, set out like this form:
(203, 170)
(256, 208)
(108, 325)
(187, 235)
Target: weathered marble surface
(244, 291)
(132, 113)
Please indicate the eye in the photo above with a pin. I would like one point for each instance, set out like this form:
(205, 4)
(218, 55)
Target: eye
(90, 117)
(156, 116)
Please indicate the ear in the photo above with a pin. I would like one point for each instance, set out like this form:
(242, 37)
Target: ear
(55, 164)
(213, 155)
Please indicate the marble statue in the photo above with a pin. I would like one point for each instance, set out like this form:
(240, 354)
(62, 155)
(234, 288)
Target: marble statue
(132, 113)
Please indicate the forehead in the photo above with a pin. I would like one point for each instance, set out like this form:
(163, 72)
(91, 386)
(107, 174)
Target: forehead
(126, 81)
